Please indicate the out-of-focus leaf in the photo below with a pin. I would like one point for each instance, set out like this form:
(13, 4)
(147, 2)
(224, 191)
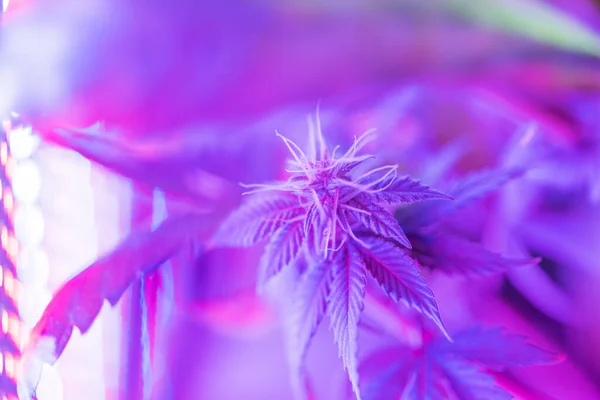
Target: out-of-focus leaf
(188, 169)
(497, 349)
(465, 191)
(533, 19)
(441, 368)
(453, 254)
(469, 383)
(77, 303)
(385, 373)
(243, 315)
(135, 80)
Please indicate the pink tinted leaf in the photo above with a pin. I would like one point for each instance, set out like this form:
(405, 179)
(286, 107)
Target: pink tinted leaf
(379, 221)
(469, 383)
(455, 255)
(257, 219)
(497, 349)
(281, 251)
(241, 315)
(403, 190)
(346, 302)
(310, 304)
(77, 303)
(169, 164)
(399, 277)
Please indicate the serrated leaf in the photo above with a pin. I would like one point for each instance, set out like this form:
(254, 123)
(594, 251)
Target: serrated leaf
(469, 383)
(403, 190)
(346, 303)
(453, 254)
(465, 191)
(77, 303)
(495, 348)
(281, 251)
(257, 219)
(379, 221)
(310, 305)
(399, 277)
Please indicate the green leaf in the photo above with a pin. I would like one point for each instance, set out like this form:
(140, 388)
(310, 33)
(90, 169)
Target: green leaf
(533, 19)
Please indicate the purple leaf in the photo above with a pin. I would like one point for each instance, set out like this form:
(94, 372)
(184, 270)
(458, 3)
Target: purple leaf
(399, 277)
(77, 303)
(440, 369)
(479, 184)
(346, 302)
(281, 251)
(403, 191)
(455, 255)
(497, 349)
(380, 222)
(179, 168)
(469, 189)
(349, 166)
(310, 304)
(426, 383)
(257, 219)
(312, 215)
(385, 373)
(469, 383)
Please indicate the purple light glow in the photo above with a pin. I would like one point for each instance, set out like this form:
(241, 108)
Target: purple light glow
(451, 253)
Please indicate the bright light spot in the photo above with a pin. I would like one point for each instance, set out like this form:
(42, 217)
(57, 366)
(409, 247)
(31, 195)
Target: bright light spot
(23, 142)
(29, 225)
(27, 182)
(33, 267)
(9, 282)
(9, 364)
(50, 387)
(3, 153)
(4, 321)
(5, 4)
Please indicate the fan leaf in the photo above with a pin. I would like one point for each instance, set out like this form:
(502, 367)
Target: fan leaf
(346, 303)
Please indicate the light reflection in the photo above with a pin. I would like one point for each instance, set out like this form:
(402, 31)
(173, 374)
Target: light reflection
(50, 387)
(26, 182)
(33, 267)
(23, 142)
(29, 225)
